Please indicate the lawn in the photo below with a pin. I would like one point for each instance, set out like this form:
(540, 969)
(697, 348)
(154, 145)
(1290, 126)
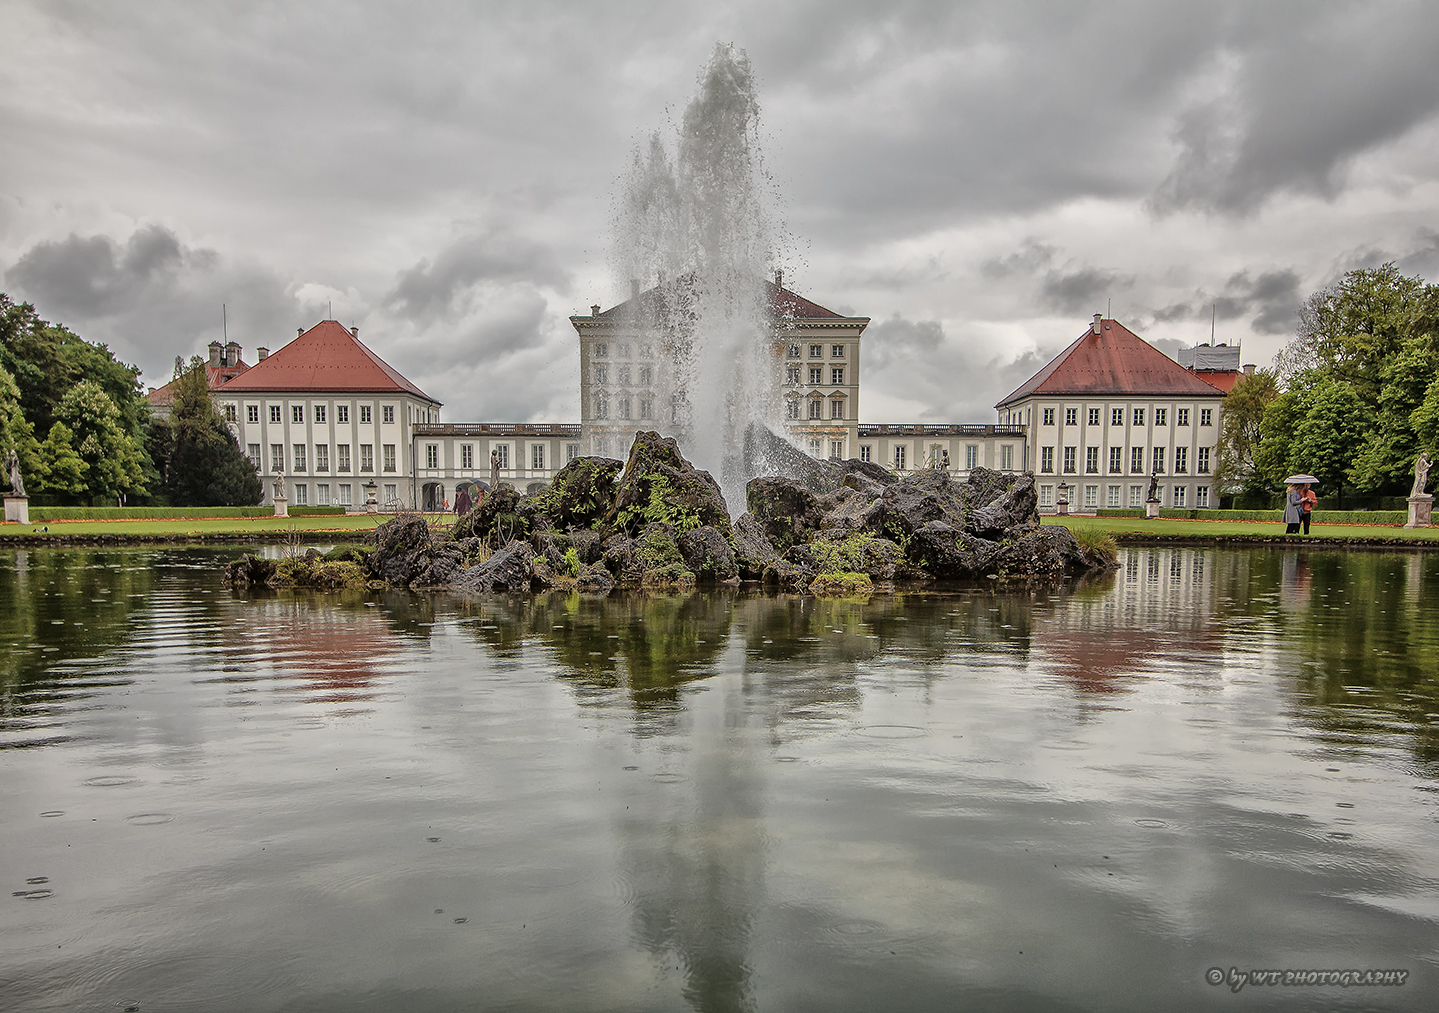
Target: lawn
(1126, 527)
(262, 528)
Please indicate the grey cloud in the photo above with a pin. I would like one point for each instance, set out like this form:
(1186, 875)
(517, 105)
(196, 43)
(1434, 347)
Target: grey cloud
(1082, 290)
(1270, 300)
(432, 288)
(94, 275)
(1423, 261)
(1031, 257)
(959, 379)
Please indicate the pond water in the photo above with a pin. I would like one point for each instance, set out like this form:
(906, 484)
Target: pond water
(1065, 800)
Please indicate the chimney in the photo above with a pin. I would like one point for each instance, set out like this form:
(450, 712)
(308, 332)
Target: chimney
(1097, 318)
(232, 353)
(354, 332)
(299, 331)
(595, 310)
(1249, 369)
(263, 353)
(216, 353)
(778, 278)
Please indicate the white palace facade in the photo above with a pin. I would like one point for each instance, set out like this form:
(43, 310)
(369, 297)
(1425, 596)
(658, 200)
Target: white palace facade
(325, 417)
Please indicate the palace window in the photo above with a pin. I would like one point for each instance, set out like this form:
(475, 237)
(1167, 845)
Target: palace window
(274, 413)
(467, 455)
(389, 456)
(836, 448)
(814, 448)
(322, 457)
(1070, 454)
(647, 408)
(1139, 416)
(432, 455)
(1181, 460)
(602, 407)
(1158, 461)
(1071, 416)
(367, 415)
(252, 451)
(342, 413)
(1116, 460)
(1049, 416)
(367, 457)
(836, 376)
(1006, 457)
(623, 374)
(816, 351)
(252, 413)
(601, 349)
(1094, 416)
(791, 409)
(816, 374)
(899, 457)
(342, 457)
(537, 456)
(298, 450)
(623, 408)
(1202, 461)
(322, 494)
(623, 351)
(791, 374)
(602, 373)
(1116, 416)
(387, 414)
(1136, 495)
(230, 415)
(836, 409)
(1161, 416)
(1179, 492)
(1091, 460)
(1136, 461)
(302, 495)
(319, 413)
(1206, 416)
(1181, 416)
(344, 491)
(1046, 495)
(836, 351)
(1113, 498)
(794, 351)
(864, 452)
(297, 413)
(647, 376)
(971, 456)
(1046, 459)
(1091, 496)
(502, 452)
(816, 408)
(572, 450)
(1201, 496)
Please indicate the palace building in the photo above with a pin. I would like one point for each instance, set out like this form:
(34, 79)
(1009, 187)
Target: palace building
(324, 415)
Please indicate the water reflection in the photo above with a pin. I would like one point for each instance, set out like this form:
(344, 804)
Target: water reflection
(720, 800)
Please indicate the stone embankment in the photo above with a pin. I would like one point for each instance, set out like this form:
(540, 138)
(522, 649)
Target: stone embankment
(839, 528)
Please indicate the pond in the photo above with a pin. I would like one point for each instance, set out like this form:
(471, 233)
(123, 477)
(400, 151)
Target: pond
(975, 798)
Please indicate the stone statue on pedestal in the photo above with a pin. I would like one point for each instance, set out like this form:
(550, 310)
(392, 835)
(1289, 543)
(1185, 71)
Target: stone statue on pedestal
(494, 469)
(17, 483)
(1153, 496)
(1421, 473)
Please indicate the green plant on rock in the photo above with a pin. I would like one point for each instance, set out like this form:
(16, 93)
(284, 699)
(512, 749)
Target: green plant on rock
(670, 575)
(572, 562)
(1097, 544)
(848, 555)
(659, 509)
(841, 585)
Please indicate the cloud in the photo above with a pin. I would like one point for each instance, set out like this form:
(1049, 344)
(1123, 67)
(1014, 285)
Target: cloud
(1270, 301)
(1082, 290)
(432, 288)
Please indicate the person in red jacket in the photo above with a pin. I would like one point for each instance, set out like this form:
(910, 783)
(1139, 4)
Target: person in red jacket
(1307, 500)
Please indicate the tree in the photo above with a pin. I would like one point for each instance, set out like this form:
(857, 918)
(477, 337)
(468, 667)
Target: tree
(111, 454)
(16, 431)
(204, 466)
(64, 470)
(1315, 426)
(1241, 421)
(1386, 460)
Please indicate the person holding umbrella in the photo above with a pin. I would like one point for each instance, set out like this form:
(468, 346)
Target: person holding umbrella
(1296, 508)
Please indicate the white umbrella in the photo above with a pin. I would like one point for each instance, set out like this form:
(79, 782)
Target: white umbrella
(1301, 480)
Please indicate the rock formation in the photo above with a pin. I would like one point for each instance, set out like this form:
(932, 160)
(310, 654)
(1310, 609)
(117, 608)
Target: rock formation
(834, 528)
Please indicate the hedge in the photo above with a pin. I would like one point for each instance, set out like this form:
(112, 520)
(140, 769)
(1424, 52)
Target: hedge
(76, 513)
(1379, 517)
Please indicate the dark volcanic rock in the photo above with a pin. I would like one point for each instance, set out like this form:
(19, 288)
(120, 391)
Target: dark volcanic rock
(595, 579)
(580, 495)
(707, 554)
(1045, 550)
(947, 552)
(510, 570)
(788, 576)
(753, 551)
(786, 512)
(503, 515)
(402, 550)
(661, 486)
(1000, 502)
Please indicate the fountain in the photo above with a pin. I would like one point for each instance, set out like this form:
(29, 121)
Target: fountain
(697, 226)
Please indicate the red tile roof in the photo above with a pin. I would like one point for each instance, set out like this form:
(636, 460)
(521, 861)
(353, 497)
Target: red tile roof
(214, 376)
(1115, 361)
(1224, 379)
(327, 357)
(782, 303)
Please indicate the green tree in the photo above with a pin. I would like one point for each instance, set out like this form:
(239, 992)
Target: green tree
(1316, 426)
(16, 431)
(1241, 421)
(64, 470)
(111, 453)
(205, 466)
(1387, 458)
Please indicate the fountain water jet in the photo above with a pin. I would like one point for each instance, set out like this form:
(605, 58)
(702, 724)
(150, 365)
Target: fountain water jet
(697, 227)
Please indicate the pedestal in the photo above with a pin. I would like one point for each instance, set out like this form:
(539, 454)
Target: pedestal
(282, 506)
(1151, 508)
(371, 505)
(17, 509)
(1063, 507)
(1421, 510)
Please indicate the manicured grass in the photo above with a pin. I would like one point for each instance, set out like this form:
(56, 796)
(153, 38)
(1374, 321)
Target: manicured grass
(1164, 527)
(261, 528)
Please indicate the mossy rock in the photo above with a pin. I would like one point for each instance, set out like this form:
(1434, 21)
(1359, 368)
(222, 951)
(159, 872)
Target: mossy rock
(660, 486)
(841, 585)
(786, 512)
(310, 571)
(504, 514)
(668, 576)
(581, 493)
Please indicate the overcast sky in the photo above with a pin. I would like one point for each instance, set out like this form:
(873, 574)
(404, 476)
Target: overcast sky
(979, 178)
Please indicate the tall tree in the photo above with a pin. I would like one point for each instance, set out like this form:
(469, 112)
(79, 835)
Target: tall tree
(1241, 422)
(111, 453)
(16, 432)
(1315, 426)
(205, 465)
(1386, 461)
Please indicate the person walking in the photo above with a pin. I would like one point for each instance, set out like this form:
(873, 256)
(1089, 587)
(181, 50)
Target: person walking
(1307, 501)
(1292, 500)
